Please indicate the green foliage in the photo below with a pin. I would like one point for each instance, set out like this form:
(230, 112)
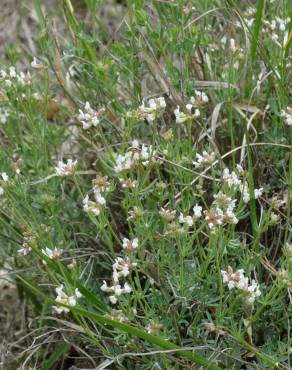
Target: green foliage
(170, 307)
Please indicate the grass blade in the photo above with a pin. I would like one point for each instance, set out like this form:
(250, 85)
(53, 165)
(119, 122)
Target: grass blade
(55, 356)
(152, 339)
(256, 28)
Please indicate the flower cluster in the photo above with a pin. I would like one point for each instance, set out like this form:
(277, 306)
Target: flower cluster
(101, 184)
(136, 154)
(130, 245)
(89, 117)
(135, 213)
(117, 315)
(93, 207)
(205, 159)
(189, 220)
(101, 187)
(65, 169)
(52, 254)
(167, 214)
(279, 23)
(237, 280)
(180, 225)
(29, 241)
(246, 194)
(233, 180)
(128, 183)
(222, 211)
(63, 298)
(4, 115)
(153, 327)
(121, 269)
(12, 76)
(191, 108)
(153, 109)
(272, 28)
(199, 98)
(287, 116)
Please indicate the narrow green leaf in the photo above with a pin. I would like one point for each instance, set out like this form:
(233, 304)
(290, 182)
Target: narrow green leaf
(55, 356)
(256, 28)
(152, 339)
(132, 330)
(39, 13)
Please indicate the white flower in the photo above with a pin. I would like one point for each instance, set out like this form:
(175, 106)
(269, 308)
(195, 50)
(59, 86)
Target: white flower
(134, 156)
(89, 117)
(287, 115)
(230, 178)
(24, 249)
(128, 183)
(187, 220)
(167, 215)
(246, 194)
(249, 22)
(99, 198)
(237, 280)
(52, 253)
(72, 301)
(130, 244)
(36, 64)
(197, 211)
(4, 176)
(153, 110)
(127, 289)
(104, 286)
(116, 276)
(199, 98)
(245, 197)
(189, 107)
(145, 152)
(273, 24)
(258, 193)
(232, 46)
(4, 115)
(60, 309)
(274, 218)
(65, 169)
(90, 206)
(204, 159)
(1, 190)
(180, 117)
(101, 184)
(62, 297)
(197, 113)
(239, 169)
(12, 72)
(135, 144)
(116, 290)
(230, 217)
(214, 217)
(113, 299)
